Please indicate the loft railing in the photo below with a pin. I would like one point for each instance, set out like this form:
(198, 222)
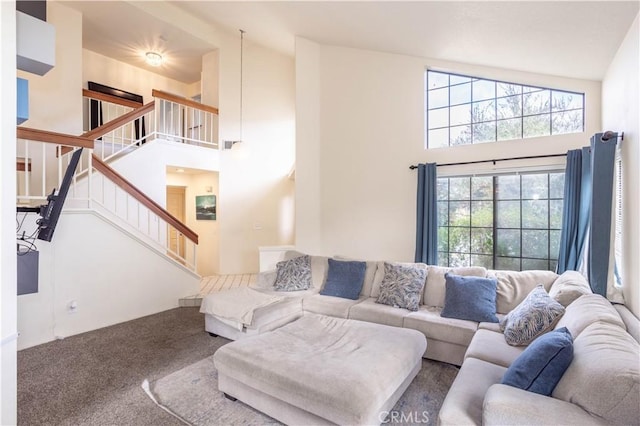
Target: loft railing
(169, 117)
(100, 108)
(183, 120)
(97, 186)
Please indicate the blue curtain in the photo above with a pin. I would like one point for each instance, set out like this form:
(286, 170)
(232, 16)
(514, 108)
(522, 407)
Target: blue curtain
(585, 239)
(568, 253)
(426, 215)
(603, 155)
(577, 203)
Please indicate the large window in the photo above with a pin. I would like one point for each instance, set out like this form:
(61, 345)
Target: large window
(465, 110)
(500, 222)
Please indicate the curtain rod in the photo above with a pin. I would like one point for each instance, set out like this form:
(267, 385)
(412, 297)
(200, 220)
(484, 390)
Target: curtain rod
(412, 167)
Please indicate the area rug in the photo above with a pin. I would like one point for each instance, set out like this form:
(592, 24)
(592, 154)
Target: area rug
(192, 395)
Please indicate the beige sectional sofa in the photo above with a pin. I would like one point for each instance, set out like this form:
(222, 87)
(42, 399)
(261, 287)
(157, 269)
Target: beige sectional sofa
(600, 386)
(477, 396)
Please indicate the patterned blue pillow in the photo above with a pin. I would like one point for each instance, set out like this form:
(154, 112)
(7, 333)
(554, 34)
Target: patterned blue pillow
(470, 298)
(534, 316)
(344, 279)
(293, 274)
(402, 285)
(540, 367)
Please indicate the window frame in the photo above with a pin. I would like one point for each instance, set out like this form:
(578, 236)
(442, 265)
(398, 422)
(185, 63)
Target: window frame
(524, 90)
(495, 200)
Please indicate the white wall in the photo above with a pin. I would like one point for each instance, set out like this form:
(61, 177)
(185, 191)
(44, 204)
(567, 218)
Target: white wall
(256, 197)
(119, 279)
(110, 72)
(621, 112)
(208, 262)
(55, 99)
(209, 80)
(151, 176)
(8, 291)
(370, 122)
(308, 202)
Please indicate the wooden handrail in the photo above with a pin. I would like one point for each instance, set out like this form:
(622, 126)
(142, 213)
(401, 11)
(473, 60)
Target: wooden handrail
(110, 98)
(118, 122)
(22, 166)
(53, 137)
(183, 101)
(116, 178)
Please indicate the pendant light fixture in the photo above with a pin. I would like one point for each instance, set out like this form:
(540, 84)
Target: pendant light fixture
(229, 144)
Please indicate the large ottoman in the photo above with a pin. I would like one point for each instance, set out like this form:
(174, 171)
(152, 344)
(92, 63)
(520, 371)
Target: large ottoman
(322, 370)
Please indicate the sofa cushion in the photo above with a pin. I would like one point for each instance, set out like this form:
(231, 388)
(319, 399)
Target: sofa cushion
(435, 288)
(539, 368)
(585, 311)
(535, 315)
(604, 377)
(429, 321)
(470, 298)
(630, 321)
(568, 287)
(402, 285)
(329, 305)
(490, 346)
(319, 268)
(265, 280)
(371, 311)
(514, 286)
(463, 404)
(344, 279)
(493, 326)
(293, 274)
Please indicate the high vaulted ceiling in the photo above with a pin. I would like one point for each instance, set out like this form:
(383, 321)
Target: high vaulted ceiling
(566, 38)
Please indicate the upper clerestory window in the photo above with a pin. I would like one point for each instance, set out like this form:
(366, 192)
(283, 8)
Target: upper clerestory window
(463, 110)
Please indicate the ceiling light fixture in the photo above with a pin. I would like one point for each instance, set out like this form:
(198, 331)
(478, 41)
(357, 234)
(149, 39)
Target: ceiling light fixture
(229, 144)
(154, 59)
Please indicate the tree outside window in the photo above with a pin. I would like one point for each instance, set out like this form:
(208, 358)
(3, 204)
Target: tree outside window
(500, 222)
(464, 110)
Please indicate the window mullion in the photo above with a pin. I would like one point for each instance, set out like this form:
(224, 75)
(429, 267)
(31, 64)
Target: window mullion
(521, 230)
(495, 221)
(549, 221)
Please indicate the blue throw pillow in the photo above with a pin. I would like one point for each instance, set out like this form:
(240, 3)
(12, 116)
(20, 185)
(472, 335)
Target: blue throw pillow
(344, 279)
(540, 367)
(470, 298)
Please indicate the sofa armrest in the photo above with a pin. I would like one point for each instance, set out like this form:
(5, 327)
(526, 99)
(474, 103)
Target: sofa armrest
(506, 405)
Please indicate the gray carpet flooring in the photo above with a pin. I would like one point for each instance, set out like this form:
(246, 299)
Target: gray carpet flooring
(95, 378)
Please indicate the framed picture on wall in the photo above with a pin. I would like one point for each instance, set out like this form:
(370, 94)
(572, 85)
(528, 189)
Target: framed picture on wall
(205, 207)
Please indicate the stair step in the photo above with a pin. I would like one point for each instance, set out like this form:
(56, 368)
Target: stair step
(190, 301)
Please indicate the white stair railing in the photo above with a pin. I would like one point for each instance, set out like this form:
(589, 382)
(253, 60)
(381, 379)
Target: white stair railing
(136, 218)
(168, 117)
(41, 166)
(91, 188)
